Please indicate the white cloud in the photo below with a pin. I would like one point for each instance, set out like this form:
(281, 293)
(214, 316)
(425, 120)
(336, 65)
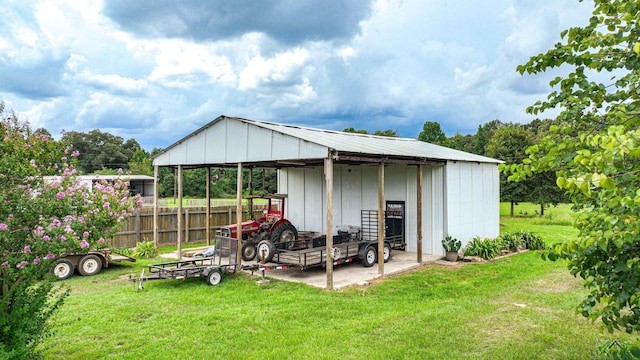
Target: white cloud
(397, 63)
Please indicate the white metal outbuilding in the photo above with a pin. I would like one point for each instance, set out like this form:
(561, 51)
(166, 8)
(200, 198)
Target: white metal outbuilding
(329, 176)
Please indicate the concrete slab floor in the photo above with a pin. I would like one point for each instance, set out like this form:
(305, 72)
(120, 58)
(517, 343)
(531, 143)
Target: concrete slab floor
(352, 273)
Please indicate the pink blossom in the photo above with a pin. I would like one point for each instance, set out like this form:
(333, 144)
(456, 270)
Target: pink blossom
(68, 229)
(63, 238)
(120, 171)
(22, 264)
(46, 238)
(85, 234)
(40, 230)
(3, 226)
(60, 195)
(5, 264)
(27, 249)
(106, 205)
(84, 244)
(33, 163)
(101, 240)
(49, 256)
(36, 261)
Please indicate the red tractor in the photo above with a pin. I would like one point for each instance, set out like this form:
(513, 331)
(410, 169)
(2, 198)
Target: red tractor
(264, 235)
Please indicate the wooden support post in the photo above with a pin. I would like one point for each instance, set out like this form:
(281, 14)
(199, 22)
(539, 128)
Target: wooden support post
(239, 217)
(328, 178)
(156, 171)
(419, 212)
(381, 219)
(180, 220)
(207, 222)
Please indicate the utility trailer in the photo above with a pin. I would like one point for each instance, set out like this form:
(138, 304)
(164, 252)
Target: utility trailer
(209, 265)
(309, 250)
(352, 243)
(87, 264)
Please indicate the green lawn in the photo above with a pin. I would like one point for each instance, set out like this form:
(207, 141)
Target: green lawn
(518, 307)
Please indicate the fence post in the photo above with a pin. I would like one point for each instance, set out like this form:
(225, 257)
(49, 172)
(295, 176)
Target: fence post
(186, 225)
(138, 226)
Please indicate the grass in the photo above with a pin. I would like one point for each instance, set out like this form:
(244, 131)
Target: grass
(518, 307)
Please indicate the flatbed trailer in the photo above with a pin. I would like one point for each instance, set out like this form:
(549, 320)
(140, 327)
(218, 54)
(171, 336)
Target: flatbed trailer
(88, 264)
(211, 268)
(310, 250)
(341, 253)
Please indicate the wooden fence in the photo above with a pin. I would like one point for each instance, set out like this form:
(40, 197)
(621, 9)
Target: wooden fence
(139, 227)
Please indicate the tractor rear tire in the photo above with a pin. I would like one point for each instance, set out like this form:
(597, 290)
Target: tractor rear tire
(248, 251)
(286, 234)
(267, 249)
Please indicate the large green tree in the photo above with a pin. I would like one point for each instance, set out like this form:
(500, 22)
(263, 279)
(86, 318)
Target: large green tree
(595, 151)
(101, 150)
(432, 133)
(508, 144)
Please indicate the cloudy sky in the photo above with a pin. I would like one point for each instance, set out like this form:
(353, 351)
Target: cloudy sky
(155, 70)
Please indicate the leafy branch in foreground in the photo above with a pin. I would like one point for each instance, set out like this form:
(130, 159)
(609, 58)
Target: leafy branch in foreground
(595, 152)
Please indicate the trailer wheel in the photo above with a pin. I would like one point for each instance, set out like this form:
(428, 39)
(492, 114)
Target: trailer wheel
(89, 265)
(214, 277)
(248, 251)
(387, 252)
(370, 256)
(267, 249)
(63, 269)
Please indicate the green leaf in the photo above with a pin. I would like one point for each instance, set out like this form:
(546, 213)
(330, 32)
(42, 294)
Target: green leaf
(561, 182)
(607, 183)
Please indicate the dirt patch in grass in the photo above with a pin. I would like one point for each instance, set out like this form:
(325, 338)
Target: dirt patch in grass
(559, 281)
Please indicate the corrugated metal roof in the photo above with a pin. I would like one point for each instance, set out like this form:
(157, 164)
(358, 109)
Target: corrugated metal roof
(342, 142)
(371, 144)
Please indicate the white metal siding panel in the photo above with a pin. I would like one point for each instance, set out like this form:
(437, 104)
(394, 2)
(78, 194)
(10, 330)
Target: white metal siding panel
(258, 144)
(395, 183)
(410, 221)
(351, 194)
(237, 133)
(315, 212)
(294, 188)
(369, 187)
(472, 205)
(436, 210)
(215, 144)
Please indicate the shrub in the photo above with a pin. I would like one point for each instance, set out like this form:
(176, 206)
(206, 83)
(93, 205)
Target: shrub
(511, 241)
(530, 240)
(145, 250)
(39, 220)
(485, 248)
